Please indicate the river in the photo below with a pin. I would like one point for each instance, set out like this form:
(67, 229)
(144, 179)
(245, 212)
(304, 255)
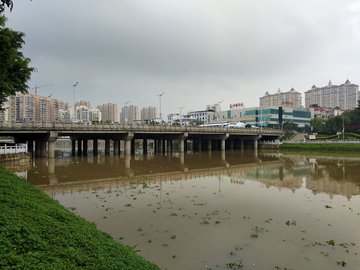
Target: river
(218, 210)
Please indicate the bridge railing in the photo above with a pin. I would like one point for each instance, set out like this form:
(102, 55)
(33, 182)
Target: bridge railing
(130, 126)
(13, 149)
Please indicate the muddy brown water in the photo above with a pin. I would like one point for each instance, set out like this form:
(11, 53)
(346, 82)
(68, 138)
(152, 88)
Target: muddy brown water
(239, 209)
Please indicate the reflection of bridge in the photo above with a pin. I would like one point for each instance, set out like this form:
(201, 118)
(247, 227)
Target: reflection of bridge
(235, 172)
(208, 138)
(270, 172)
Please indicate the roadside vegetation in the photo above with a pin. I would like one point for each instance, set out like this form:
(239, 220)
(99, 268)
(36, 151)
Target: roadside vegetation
(321, 146)
(36, 232)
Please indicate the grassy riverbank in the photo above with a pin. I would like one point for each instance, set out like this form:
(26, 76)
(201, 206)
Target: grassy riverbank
(36, 232)
(321, 146)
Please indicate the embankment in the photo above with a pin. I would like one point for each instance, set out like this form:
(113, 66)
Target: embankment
(36, 232)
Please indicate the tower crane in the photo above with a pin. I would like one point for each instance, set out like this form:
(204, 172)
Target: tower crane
(36, 87)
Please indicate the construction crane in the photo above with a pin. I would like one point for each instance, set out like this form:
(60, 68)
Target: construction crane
(36, 87)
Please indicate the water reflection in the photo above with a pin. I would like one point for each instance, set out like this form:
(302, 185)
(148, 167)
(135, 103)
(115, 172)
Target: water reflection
(319, 174)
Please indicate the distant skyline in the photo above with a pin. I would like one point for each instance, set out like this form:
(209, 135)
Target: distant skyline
(197, 52)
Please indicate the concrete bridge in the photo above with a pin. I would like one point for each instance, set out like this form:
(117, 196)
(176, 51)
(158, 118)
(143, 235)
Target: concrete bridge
(41, 136)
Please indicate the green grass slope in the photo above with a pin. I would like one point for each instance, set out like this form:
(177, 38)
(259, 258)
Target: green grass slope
(36, 232)
(321, 146)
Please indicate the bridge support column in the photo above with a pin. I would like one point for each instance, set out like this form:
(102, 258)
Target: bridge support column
(37, 148)
(43, 148)
(107, 146)
(222, 144)
(209, 145)
(163, 146)
(128, 139)
(116, 147)
(51, 149)
(133, 146)
(95, 147)
(255, 144)
(31, 146)
(169, 146)
(242, 144)
(79, 147)
(85, 147)
(181, 145)
(145, 148)
(199, 142)
(231, 144)
(73, 148)
(52, 137)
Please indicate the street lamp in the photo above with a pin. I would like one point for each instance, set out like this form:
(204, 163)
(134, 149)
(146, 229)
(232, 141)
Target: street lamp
(74, 99)
(180, 114)
(125, 108)
(218, 103)
(160, 105)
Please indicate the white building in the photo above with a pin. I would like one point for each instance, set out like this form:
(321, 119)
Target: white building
(344, 96)
(282, 99)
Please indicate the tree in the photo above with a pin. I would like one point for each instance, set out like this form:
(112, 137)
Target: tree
(196, 122)
(14, 67)
(4, 3)
(289, 126)
(316, 123)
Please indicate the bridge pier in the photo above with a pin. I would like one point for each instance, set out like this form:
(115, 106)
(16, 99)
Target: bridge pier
(242, 144)
(116, 147)
(43, 148)
(145, 147)
(128, 139)
(51, 152)
(95, 147)
(209, 145)
(223, 144)
(199, 142)
(73, 149)
(231, 144)
(31, 146)
(79, 147)
(163, 146)
(107, 146)
(169, 146)
(85, 147)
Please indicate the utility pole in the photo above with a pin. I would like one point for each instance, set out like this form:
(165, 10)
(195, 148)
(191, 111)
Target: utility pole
(74, 100)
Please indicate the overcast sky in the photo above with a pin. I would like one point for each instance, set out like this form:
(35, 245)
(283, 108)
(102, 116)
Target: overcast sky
(198, 52)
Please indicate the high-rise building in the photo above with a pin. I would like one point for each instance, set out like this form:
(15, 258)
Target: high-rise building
(344, 96)
(83, 103)
(148, 113)
(109, 112)
(290, 99)
(63, 105)
(54, 110)
(22, 107)
(42, 108)
(129, 114)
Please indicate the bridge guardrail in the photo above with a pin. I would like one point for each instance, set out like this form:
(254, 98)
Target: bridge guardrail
(134, 127)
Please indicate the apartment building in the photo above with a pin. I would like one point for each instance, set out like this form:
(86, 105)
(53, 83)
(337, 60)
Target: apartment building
(129, 114)
(22, 107)
(290, 99)
(148, 113)
(344, 96)
(42, 108)
(109, 112)
(54, 110)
